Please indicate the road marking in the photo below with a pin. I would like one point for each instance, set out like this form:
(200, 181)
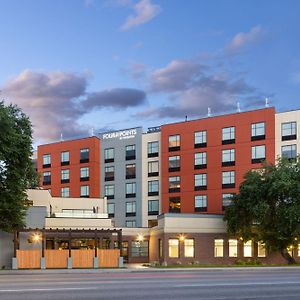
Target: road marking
(234, 284)
(45, 290)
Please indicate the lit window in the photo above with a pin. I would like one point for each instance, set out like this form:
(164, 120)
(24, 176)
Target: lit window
(153, 149)
(174, 142)
(84, 191)
(109, 191)
(189, 248)
(130, 190)
(174, 184)
(200, 160)
(233, 247)
(84, 155)
(258, 153)
(228, 135)
(228, 179)
(228, 157)
(261, 249)
(153, 168)
(289, 131)
(258, 131)
(174, 204)
(200, 182)
(173, 248)
(200, 139)
(289, 151)
(248, 249)
(219, 247)
(174, 163)
(130, 209)
(200, 203)
(65, 192)
(109, 155)
(46, 160)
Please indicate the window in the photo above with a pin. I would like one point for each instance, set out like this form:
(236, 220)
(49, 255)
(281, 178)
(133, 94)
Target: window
(109, 155)
(46, 178)
(200, 203)
(130, 190)
(139, 249)
(200, 160)
(65, 176)
(130, 152)
(258, 131)
(226, 200)
(153, 188)
(84, 191)
(152, 223)
(233, 247)
(65, 192)
(174, 163)
(228, 157)
(109, 173)
(288, 131)
(153, 207)
(153, 149)
(289, 151)
(46, 161)
(65, 158)
(130, 171)
(261, 249)
(248, 249)
(298, 249)
(200, 139)
(160, 248)
(174, 204)
(131, 223)
(153, 168)
(130, 209)
(200, 182)
(84, 155)
(228, 179)
(258, 153)
(228, 135)
(111, 210)
(174, 142)
(173, 248)
(174, 184)
(84, 174)
(219, 247)
(109, 191)
(189, 248)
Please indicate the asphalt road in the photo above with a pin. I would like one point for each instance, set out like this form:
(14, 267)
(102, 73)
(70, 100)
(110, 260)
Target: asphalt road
(204, 284)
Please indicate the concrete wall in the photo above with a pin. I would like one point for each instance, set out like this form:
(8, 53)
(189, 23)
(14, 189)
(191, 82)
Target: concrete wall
(6, 249)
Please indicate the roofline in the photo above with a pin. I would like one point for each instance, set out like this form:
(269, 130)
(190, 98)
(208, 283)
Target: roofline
(286, 111)
(70, 140)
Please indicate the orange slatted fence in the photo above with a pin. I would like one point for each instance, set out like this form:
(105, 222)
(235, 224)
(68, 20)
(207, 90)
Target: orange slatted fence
(29, 259)
(82, 258)
(56, 259)
(108, 258)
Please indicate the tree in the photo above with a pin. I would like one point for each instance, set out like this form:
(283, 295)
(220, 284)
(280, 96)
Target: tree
(267, 207)
(16, 167)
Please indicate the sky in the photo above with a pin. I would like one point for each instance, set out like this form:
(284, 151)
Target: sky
(83, 66)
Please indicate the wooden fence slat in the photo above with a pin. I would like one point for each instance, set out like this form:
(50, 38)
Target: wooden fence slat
(29, 259)
(108, 258)
(56, 259)
(82, 258)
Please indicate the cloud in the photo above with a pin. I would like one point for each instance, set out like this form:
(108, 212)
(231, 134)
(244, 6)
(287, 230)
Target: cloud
(55, 101)
(243, 39)
(144, 11)
(135, 70)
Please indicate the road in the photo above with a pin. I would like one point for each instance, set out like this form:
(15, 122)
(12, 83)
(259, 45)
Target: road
(259, 283)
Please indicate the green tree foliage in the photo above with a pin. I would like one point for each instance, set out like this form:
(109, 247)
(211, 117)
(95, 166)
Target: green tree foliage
(267, 207)
(16, 167)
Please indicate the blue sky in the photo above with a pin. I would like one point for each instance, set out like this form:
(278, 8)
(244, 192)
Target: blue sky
(74, 65)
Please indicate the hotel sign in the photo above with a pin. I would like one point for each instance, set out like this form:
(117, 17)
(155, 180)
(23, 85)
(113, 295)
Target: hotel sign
(122, 135)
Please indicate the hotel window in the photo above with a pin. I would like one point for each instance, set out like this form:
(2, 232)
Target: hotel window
(160, 248)
(65, 158)
(228, 179)
(109, 191)
(109, 173)
(84, 155)
(258, 131)
(200, 203)
(228, 135)
(174, 163)
(228, 157)
(258, 154)
(226, 200)
(153, 207)
(219, 247)
(289, 151)
(174, 204)
(130, 209)
(248, 249)
(111, 210)
(46, 160)
(174, 142)
(65, 192)
(109, 155)
(174, 184)
(130, 152)
(200, 160)
(173, 248)
(85, 174)
(130, 171)
(131, 223)
(139, 249)
(189, 248)
(153, 149)
(152, 223)
(200, 182)
(153, 168)
(153, 188)
(130, 190)
(65, 176)
(200, 139)
(84, 191)
(233, 248)
(46, 178)
(288, 131)
(261, 249)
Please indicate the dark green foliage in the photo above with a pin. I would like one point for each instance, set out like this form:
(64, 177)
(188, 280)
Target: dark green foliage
(267, 207)
(16, 167)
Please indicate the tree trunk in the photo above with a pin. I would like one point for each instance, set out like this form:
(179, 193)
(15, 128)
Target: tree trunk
(284, 253)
